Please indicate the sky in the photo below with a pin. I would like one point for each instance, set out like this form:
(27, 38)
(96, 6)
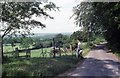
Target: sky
(61, 22)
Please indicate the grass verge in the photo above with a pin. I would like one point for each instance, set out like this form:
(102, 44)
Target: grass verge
(38, 66)
(86, 48)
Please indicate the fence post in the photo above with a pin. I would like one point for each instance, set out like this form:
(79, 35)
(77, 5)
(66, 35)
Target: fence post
(53, 48)
(28, 53)
(16, 52)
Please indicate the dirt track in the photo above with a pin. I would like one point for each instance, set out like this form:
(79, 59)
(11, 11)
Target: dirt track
(97, 63)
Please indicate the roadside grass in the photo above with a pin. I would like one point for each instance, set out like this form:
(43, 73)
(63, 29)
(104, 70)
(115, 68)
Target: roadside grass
(38, 66)
(86, 48)
(98, 40)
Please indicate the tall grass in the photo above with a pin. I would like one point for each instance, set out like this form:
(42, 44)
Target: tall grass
(38, 66)
(86, 48)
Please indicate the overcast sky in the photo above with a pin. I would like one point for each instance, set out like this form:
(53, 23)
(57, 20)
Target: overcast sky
(61, 22)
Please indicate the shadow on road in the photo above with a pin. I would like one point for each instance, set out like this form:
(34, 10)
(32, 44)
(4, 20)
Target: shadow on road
(94, 68)
(100, 67)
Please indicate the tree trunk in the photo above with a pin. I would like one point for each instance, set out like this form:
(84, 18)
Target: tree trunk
(1, 50)
(54, 52)
(42, 52)
(59, 51)
(53, 48)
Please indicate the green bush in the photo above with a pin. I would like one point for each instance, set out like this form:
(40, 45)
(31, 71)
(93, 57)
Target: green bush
(98, 40)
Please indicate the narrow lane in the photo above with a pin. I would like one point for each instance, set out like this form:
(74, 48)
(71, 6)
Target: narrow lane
(97, 63)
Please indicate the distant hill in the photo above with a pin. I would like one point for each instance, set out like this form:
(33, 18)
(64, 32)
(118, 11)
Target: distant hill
(46, 35)
(49, 35)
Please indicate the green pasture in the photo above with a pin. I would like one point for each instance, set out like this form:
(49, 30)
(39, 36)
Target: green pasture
(34, 53)
(37, 65)
(9, 48)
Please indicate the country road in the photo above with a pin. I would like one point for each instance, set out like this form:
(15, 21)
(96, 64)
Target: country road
(98, 62)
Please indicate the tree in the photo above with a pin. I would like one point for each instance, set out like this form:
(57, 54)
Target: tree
(17, 17)
(59, 40)
(79, 34)
(26, 42)
(109, 18)
(85, 18)
(100, 18)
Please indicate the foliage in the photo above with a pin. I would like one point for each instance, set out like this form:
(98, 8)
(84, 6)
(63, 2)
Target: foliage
(26, 42)
(84, 18)
(47, 44)
(100, 18)
(17, 17)
(37, 43)
(98, 40)
(60, 39)
(79, 34)
(86, 48)
(9, 40)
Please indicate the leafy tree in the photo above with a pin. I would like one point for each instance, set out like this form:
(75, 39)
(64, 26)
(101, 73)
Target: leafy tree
(47, 44)
(108, 15)
(85, 18)
(101, 18)
(16, 17)
(26, 42)
(36, 43)
(9, 40)
(60, 39)
(79, 34)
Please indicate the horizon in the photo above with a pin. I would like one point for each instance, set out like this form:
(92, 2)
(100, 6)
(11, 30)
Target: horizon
(52, 32)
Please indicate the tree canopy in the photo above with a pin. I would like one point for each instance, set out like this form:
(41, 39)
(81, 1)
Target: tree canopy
(100, 17)
(17, 17)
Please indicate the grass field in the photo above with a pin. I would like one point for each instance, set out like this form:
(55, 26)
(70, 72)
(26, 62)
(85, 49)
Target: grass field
(34, 53)
(9, 48)
(36, 65)
(38, 52)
